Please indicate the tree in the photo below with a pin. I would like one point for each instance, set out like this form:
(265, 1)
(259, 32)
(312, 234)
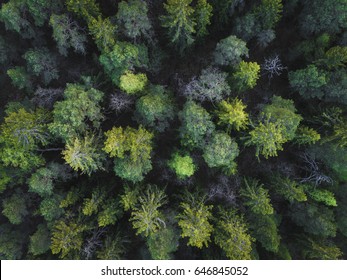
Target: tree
(21, 135)
(306, 136)
(268, 138)
(41, 182)
(315, 219)
(320, 249)
(146, 217)
(210, 86)
(309, 81)
(40, 241)
(80, 103)
(283, 111)
(20, 78)
(323, 16)
(42, 63)
(133, 83)
(50, 208)
(246, 75)
(110, 213)
(229, 51)
(256, 197)
(183, 166)
(15, 208)
(232, 114)
(41, 9)
(124, 56)
(103, 32)
(321, 195)
(289, 189)
(231, 235)
(113, 248)
(180, 22)
(66, 238)
(163, 243)
(334, 58)
(67, 34)
(133, 20)
(131, 149)
(203, 13)
(268, 13)
(83, 155)
(86, 9)
(194, 220)
(11, 243)
(155, 109)
(220, 152)
(196, 125)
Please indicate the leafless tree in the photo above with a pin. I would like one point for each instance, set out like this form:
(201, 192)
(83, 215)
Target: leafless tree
(45, 97)
(314, 175)
(273, 66)
(120, 102)
(93, 243)
(224, 188)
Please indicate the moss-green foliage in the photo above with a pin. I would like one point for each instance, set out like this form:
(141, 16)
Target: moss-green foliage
(232, 114)
(103, 33)
(246, 75)
(182, 165)
(220, 152)
(163, 243)
(19, 77)
(132, 83)
(155, 109)
(194, 220)
(321, 195)
(306, 136)
(289, 189)
(80, 103)
(203, 13)
(229, 51)
(132, 18)
(40, 241)
(85, 9)
(11, 243)
(256, 197)
(196, 125)
(233, 237)
(41, 182)
(50, 208)
(14, 208)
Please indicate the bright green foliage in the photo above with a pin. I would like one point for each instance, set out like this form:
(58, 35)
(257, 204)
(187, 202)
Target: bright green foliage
(308, 82)
(91, 205)
(83, 155)
(132, 18)
(66, 237)
(180, 22)
(320, 16)
(289, 189)
(146, 217)
(103, 32)
(256, 197)
(14, 208)
(19, 77)
(67, 34)
(183, 166)
(41, 62)
(246, 76)
(266, 232)
(231, 235)
(335, 57)
(268, 138)
(133, 83)
(203, 13)
(40, 241)
(163, 243)
(196, 125)
(85, 9)
(124, 56)
(282, 111)
(268, 13)
(21, 134)
(211, 86)
(80, 104)
(41, 182)
(321, 195)
(50, 208)
(232, 113)
(155, 109)
(11, 243)
(230, 50)
(194, 221)
(321, 249)
(130, 197)
(110, 213)
(306, 136)
(315, 219)
(220, 152)
(113, 248)
(132, 151)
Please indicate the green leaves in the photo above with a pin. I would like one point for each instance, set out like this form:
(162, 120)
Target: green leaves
(232, 114)
(132, 83)
(246, 76)
(183, 166)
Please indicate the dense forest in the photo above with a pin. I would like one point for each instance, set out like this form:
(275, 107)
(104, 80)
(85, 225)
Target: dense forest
(174, 129)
